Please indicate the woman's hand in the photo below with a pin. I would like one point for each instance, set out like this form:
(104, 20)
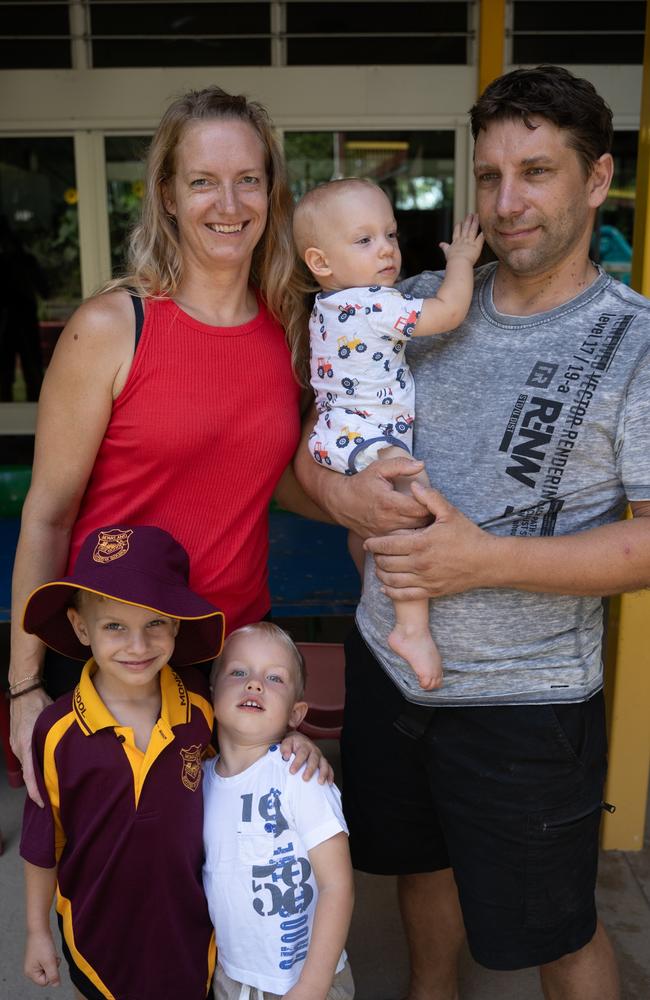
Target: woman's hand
(24, 713)
(306, 753)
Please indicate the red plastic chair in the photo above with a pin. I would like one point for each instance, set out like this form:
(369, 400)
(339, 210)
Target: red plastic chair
(325, 691)
(14, 770)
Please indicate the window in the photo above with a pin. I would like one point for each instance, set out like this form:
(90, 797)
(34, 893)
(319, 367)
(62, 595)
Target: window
(180, 34)
(39, 243)
(415, 169)
(124, 178)
(362, 34)
(35, 35)
(132, 33)
(612, 245)
(574, 31)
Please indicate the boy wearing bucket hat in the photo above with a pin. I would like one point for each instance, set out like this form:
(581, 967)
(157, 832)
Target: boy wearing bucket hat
(118, 764)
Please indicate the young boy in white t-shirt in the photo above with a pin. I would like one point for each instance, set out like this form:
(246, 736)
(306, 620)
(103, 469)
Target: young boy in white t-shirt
(277, 872)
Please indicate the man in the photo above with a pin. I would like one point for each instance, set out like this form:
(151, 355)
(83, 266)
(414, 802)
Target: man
(533, 424)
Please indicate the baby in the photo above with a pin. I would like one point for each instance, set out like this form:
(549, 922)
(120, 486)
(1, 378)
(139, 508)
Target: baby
(346, 233)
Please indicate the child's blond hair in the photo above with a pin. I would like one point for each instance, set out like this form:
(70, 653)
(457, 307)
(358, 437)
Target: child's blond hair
(270, 631)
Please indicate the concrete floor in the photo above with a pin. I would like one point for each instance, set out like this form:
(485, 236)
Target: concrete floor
(376, 944)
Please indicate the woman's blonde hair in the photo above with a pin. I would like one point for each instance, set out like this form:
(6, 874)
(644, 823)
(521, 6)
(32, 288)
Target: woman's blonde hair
(155, 263)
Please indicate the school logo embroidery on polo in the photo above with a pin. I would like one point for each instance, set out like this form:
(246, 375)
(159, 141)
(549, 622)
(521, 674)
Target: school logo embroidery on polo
(191, 770)
(111, 545)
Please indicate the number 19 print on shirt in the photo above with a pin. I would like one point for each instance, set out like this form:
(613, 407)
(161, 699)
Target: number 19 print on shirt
(259, 828)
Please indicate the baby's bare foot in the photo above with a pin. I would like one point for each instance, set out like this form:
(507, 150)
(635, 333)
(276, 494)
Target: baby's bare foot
(420, 652)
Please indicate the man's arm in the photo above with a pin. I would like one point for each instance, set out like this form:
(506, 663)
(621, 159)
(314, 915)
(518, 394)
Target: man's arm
(330, 862)
(366, 503)
(454, 555)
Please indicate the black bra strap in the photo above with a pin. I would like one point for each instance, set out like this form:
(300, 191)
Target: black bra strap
(139, 319)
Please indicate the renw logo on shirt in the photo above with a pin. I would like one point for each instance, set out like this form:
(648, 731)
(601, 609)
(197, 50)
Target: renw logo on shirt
(534, 434)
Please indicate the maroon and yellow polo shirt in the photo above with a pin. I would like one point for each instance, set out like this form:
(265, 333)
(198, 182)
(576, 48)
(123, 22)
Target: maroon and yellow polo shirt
(124, 829)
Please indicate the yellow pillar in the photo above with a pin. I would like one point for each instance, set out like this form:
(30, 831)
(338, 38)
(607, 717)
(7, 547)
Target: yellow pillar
(491, 41)
(628, 703)
(628, 641)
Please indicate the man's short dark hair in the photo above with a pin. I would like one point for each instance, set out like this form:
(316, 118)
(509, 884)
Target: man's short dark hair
(554, 93)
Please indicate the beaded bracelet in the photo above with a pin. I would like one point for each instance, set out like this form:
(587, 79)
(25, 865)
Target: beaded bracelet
(11, 695)
(23, 680)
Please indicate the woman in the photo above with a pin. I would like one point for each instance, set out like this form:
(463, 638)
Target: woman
(170, 398)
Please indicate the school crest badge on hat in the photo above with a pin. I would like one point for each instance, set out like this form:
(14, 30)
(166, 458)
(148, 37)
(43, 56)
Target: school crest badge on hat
(111, 545)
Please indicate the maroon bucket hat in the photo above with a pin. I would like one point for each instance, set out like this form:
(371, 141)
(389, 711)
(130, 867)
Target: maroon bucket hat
(142, 565)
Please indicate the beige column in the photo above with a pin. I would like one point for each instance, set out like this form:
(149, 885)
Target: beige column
(94, 241)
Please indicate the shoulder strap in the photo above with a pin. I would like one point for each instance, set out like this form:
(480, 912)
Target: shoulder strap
(139, 318)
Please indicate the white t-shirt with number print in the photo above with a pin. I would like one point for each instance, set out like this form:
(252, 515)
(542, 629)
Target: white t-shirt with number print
(258, 829)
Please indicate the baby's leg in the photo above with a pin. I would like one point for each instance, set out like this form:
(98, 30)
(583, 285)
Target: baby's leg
(411, 638)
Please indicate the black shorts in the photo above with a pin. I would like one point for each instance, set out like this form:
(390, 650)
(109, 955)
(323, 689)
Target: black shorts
(508, 796)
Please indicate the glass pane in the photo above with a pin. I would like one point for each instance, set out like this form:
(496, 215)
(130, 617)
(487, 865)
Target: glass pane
(183, 31)
(415, 169)
(350, 21)
(594, 50)
(358, 18)
(613, 239)
(124, 178)
(20, 22)
(575, 15)
(39, 248)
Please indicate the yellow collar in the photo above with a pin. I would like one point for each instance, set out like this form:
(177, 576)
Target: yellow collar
(92, 714)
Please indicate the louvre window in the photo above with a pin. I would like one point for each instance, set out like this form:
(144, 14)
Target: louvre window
(578, 32)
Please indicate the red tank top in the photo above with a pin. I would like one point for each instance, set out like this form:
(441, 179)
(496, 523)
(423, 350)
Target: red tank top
(198, 438)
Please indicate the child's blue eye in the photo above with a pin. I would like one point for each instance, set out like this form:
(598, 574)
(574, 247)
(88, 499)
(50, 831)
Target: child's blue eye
(276, 678)
(112, 626)
(237, 673)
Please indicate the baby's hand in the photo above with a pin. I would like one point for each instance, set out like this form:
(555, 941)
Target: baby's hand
(466, 241)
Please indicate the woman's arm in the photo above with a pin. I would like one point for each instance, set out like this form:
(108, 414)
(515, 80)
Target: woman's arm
(290, 495)
(41, 960)
(332, 868)
(88, 370)
(306, 752)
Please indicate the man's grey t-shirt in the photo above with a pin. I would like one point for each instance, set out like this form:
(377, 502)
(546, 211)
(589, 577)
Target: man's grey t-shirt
(531, 426)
